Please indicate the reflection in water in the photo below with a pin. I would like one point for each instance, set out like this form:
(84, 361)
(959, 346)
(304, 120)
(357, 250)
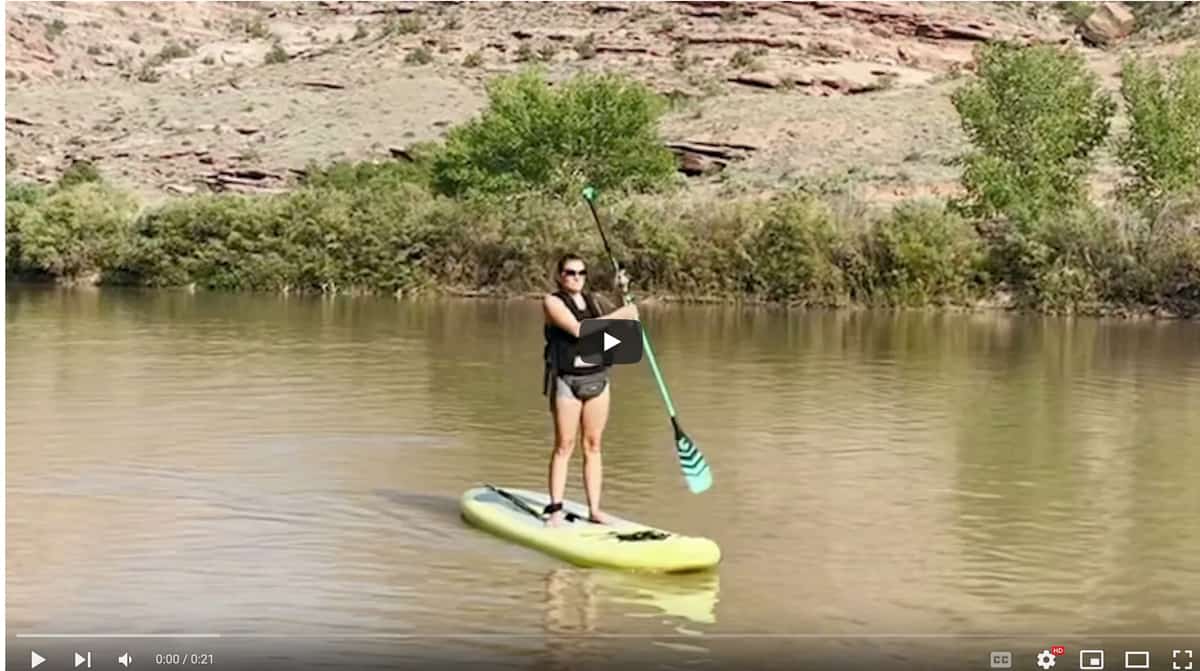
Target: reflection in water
(570, 614)
(688, 597)
(691, 598)
(293, 465)
(579, 600)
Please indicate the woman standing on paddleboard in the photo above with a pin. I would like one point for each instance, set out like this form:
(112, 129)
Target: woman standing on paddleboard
(578, 391)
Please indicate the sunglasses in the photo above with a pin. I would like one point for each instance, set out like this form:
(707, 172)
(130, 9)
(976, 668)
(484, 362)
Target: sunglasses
(575, 273)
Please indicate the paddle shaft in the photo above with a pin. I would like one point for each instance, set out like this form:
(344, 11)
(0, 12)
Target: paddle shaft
(662, 386)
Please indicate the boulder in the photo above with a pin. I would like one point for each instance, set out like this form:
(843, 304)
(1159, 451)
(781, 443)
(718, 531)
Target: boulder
(1107, 25)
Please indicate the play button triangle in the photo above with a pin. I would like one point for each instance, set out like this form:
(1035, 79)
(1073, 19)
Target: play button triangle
(610, 342)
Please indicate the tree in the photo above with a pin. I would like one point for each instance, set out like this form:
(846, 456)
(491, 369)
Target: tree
(1034, 117)
(593, 129)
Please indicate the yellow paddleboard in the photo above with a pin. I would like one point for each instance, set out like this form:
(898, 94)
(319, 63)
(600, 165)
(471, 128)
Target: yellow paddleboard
(622, 544)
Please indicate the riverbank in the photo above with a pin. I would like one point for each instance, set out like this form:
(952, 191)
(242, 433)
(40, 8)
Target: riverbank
(796, 249)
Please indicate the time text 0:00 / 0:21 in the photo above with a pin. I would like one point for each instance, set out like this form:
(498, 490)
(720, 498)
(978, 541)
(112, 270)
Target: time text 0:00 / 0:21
(178, 659)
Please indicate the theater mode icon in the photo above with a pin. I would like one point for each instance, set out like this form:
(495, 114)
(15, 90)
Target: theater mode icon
(1137, 659)
(1091, 660)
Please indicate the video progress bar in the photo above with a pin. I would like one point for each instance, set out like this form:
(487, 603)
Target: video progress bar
(692, 636)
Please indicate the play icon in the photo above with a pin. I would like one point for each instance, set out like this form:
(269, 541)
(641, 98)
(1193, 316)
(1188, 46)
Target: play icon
(35, 660)
(610, 341)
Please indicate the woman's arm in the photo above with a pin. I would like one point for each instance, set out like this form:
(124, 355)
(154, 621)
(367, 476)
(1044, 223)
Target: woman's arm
(558, 314)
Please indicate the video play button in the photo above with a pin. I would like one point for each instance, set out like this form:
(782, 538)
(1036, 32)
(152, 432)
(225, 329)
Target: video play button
(35, 660)
(610, 341)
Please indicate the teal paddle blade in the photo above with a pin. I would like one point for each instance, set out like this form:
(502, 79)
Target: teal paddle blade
(695, 469)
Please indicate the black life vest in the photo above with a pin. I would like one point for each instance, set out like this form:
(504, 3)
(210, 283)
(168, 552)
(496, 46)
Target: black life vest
(562, 347)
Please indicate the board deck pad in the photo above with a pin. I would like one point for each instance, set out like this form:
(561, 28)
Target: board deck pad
(624, 544)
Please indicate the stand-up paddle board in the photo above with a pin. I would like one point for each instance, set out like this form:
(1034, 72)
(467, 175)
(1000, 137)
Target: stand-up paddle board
(515, 514)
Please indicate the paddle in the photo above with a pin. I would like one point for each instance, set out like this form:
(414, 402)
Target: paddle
(691, 461)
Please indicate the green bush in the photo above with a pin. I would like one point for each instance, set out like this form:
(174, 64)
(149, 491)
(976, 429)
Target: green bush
(593, 129)
(1159, 259)
(71, 233)
(79, 172)
(683, 247)
(16, 215)
(920, 254)
(199, 239)
(375, 176)
(1162, 149)
(720, 258)
(418, 56)
(24, 192)
(1034, 117)
(1072, 261)
(276, 55)
(798, 251)
(1075, 13)
(513, 242)
(314, 239)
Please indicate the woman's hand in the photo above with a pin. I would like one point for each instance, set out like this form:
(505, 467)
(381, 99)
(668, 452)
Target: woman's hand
(626, 312)
(623, 281)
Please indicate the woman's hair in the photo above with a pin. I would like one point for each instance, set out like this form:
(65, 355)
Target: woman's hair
(562, 262)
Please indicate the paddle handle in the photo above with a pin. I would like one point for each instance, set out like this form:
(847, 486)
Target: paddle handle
(589, 195)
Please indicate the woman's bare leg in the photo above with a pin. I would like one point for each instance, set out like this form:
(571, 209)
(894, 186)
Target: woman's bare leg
(595, 417)
(566, 425)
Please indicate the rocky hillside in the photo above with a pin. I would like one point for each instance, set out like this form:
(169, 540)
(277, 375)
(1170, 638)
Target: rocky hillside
(168, 98)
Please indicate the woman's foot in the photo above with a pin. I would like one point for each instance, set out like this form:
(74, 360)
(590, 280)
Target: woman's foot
(598, 517)
(554, 514)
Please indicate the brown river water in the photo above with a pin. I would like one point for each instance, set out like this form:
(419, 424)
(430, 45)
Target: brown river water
(894, 488)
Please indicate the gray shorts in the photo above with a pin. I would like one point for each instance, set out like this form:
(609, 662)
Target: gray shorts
(580, 387)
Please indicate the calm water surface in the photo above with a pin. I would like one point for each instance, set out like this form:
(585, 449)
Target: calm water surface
(258, 465)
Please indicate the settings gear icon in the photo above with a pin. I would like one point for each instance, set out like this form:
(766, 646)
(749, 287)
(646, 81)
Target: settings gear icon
(1045, 659)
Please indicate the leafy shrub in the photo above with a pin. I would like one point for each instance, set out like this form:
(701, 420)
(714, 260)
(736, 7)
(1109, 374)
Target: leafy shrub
(593, 129)
(418, 56)
(79, 172)
(1162, 149)
(375, 176)
(23, 192)
(685, 247)
(72, 232)
(473, 59)
(409, 25)
(1034, 117)
(1075, 13)
(797, 250)
(1158, 262)
(922, 253)
(171, 51)
(276, 55)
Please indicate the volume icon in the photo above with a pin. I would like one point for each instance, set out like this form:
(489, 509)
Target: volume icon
(124, 660)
